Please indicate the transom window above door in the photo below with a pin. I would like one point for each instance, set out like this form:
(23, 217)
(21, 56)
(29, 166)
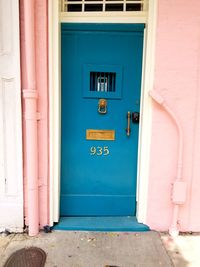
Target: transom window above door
(83, 6)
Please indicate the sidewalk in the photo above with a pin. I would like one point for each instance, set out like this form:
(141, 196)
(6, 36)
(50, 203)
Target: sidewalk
(183, 250)
(97, 249)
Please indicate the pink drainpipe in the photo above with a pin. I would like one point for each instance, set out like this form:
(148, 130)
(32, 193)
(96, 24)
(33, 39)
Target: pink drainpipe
(179, 186)
(31, 117)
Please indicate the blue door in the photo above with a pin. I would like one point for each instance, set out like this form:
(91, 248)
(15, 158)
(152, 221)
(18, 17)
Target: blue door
(101, 83)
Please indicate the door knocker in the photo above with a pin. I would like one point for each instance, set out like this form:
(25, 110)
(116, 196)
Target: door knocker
(102, 106)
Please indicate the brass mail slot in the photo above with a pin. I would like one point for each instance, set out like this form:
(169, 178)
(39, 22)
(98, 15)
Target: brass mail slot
(100, 134)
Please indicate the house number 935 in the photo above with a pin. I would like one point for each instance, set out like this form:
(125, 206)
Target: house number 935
(99, 151)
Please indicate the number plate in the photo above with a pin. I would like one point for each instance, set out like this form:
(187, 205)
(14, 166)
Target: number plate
(100, 134)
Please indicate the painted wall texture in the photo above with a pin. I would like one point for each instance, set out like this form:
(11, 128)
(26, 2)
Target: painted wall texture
(177, 79)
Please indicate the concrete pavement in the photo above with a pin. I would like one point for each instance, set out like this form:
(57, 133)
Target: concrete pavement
(183, 250)
(97, 249)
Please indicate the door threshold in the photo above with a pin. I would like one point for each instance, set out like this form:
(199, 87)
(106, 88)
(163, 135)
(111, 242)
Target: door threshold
(101, 224)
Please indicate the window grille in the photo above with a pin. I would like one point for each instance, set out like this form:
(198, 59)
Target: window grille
(103, 6)
(102, 81)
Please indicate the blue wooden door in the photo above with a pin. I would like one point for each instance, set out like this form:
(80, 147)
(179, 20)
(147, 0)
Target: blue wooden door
(101, 83)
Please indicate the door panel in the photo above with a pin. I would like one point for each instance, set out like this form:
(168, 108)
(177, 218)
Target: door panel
(98, 177)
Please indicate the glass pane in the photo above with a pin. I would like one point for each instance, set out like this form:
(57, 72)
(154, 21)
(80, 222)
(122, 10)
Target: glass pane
(74, 8)
(133, 7)
(93, 7)
(114, 7)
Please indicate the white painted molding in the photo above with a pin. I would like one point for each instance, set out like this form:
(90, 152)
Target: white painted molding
(104, 17)
(54, 110)
(146, 113)
(6, 40)
(11, 174)
(55, 103)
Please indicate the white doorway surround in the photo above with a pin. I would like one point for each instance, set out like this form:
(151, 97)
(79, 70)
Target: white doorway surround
(58, 14)
(11, 178)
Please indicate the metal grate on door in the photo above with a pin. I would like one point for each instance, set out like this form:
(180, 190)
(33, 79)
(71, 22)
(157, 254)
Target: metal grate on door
(102, 81)
(103, 5)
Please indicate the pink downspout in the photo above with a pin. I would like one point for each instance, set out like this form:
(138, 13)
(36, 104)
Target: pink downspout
(30, 99)
(178, 196)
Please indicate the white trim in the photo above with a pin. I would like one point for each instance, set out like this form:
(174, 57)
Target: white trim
(105, 17)
(54, 110)
(146, 114)
(54, 104)
(11, 154)
(141, 116)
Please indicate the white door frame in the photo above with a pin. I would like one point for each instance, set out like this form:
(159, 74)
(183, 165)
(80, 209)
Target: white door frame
(55, 105)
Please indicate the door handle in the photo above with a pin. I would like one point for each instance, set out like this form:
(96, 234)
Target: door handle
(128, 129)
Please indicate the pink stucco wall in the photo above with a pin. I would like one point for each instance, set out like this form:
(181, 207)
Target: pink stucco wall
(41, 63)
(177, 78)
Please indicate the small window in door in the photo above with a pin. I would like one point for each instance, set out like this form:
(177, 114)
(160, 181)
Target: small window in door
(102, 81)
